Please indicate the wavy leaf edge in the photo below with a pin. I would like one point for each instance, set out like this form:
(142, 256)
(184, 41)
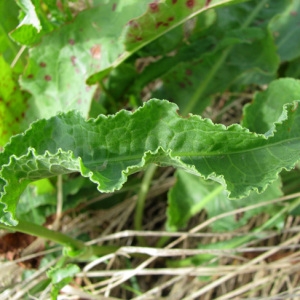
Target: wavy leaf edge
(160, 156)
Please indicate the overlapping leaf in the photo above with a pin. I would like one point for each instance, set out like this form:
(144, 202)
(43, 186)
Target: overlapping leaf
(109, 149)
(266, 107)
(285, 29)
(237, 49)
(163, 16)
(192, 194)
(60, 65)
(90, 47)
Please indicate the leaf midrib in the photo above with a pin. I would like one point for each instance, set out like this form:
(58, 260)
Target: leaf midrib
(188, 154)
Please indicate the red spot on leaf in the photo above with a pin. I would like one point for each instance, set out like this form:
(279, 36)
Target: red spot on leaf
(154, 7)
(138, 38)
(114, 6)
(43, 65)
(48, 77)
(190, 3)
(73, 60)
(87, 88)
(171, 19)
(30, 76)
(23, 115)
(188, 72)
(133, 24)
(207, 2)
(158, 24)
(79, 101)
(182, 85)
(294, 13)
(71, 42)
(174, 1)
(96, 51)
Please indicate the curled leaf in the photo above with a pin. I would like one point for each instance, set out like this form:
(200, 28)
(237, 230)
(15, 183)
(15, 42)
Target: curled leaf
(109, 148)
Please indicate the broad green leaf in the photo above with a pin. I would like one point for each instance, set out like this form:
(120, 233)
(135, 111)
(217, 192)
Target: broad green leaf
(43, 186)
(59, 66)
(28, 30)
(60, 277)
(222, 204)
(285, 29)
(188, 196)
(12, 103)
(163, 16)
(88, 49)
(234, 51)
(173, 41)
(44, 204)
(191, 194)
(264, 110)
(108, 149)
(159, 17)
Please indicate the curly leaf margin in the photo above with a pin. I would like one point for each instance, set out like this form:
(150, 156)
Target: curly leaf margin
(110, 148)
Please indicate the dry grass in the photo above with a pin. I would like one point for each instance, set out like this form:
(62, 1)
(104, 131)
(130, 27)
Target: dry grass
(266, 268)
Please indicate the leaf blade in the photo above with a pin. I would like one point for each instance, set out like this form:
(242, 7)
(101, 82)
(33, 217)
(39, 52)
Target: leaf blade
(108, 149)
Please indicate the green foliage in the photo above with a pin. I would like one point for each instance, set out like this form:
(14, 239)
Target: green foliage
(285, 28)
(61, 276)
(75, 82)
(28, 30)
(107, 152)
(192, 194)
(12, 103)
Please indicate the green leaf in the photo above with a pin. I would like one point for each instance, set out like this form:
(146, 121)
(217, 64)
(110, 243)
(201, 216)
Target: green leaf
(12, 103)
(260, 115)
(232, 52)
(191, 194)
(286, 30)
(163, 16)
(87, 49)
(43, 186)
(188, 196)
(28, 30)
(60, 65)
(44, 204)
(108, 149)
(159, 18)
(60, 277)
(222, 204)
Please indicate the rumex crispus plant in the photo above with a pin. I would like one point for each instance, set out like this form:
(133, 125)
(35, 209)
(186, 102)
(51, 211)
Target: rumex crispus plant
(82, 106)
